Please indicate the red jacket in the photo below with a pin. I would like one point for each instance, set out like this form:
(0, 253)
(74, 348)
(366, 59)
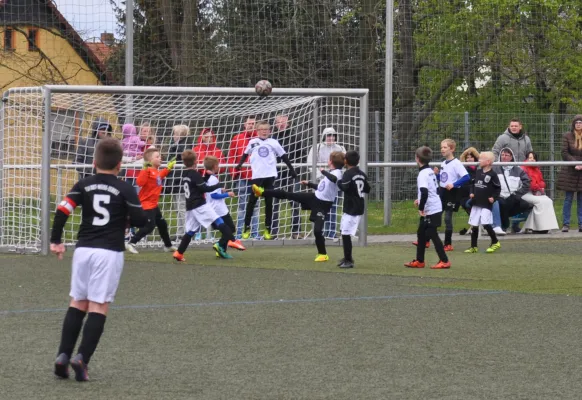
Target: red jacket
(237, 148)
(536, 178)
(202, 150)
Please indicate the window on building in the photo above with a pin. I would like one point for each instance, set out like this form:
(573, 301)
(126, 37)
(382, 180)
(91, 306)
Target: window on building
(8, 39)
(32, 39)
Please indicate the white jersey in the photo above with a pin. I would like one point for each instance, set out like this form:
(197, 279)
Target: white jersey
(451, 171)
(263, 154)
(327, 190)
(427, 179)
(217, 204)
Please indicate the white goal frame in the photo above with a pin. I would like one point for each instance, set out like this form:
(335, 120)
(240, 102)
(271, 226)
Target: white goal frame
(45, 166)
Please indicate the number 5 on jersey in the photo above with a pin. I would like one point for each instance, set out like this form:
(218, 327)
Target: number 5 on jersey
(103, 215)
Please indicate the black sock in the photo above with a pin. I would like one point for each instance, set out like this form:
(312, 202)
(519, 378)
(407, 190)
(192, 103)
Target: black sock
(186, 239)
(448, 237)
(226, 235)
(491, 233)
(91, 334)
(347, 241)
(320, 243)
(474, 236)
(71, 329)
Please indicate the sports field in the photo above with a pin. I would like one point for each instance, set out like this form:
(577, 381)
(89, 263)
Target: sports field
(271, 324)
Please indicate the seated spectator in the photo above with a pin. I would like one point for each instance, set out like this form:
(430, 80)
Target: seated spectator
(542, 218)
(469, 155)
(514, 184)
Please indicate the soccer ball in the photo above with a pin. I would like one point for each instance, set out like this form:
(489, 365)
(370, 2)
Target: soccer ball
(263, 88)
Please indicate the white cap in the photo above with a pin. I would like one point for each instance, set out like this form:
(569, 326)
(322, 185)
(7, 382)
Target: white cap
(329, 131)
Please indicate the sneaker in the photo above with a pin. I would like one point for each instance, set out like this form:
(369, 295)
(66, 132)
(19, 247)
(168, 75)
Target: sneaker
(515, 229)
(247, 232)
(463, 231)
(414, 264)
(493, 248)
(178, 257)
(171, 248)
(220, 252)
(565, 228)
(321, 258)
(340, 262)
(441, 265)
(198, 236)
(347, 264)
(580, 228)
(62, 366)
(257, 190)
(472, 250)
(267, 235)
(80, 368)
(449, 247)
(427, 244)
(236, 245)
(131, 248)
(499, 231)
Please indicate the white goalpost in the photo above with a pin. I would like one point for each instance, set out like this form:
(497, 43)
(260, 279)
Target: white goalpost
(47, 135)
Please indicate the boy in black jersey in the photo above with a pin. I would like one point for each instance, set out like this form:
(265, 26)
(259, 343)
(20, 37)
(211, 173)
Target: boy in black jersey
(198, 212)
(354, 184)
(98, 258)
(484, 192)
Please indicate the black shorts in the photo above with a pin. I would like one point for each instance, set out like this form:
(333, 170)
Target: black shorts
(433, 220)
(450, 198)
(265, 183)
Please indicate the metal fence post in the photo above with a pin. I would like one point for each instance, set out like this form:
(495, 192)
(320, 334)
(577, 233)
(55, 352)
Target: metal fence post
(377, 154)
(552, 154)
(363, 238)
(45, 175)
(466, 129)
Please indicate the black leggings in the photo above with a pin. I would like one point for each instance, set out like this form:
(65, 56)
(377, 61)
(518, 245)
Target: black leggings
(265, 183)
(427, 230)
(156, 219)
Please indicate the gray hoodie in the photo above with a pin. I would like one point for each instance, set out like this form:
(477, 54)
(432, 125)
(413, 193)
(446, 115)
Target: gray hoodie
(514, 180)
(519, 144)
(324, 150)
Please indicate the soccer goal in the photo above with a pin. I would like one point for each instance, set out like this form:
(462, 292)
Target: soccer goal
(47, 137)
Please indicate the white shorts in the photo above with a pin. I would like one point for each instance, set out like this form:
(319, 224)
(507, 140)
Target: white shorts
(480, 216)
(95, 275)
(349, 224)
(201, 216)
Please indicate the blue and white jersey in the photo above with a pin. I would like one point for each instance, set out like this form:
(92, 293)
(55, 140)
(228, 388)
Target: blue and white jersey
(451, 171)
(263, 154)
(327, 190)
(218, 205)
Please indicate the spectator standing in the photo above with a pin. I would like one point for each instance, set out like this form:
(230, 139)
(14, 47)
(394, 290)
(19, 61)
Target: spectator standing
(206, 146)
(100, 129)
(132, 147)
(514, 138)
(570, 178)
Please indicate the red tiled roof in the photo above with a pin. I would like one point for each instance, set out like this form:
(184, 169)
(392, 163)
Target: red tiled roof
(100, 50)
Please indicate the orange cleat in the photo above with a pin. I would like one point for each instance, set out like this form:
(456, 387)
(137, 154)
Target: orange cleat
(441, 265)
(236, 245)
(414, 264)
(178, 257)
(427, 244)
(449, 247)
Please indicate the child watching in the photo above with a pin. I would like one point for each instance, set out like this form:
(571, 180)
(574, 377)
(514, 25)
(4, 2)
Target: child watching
(150, 182)
(430, 209)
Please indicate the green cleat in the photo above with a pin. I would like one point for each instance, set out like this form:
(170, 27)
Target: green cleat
(220, 252)
(493, 248)
(246, 233)
(472, 250)
(267, 235)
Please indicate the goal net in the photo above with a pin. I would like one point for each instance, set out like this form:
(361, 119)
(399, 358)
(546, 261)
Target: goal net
(220, 122)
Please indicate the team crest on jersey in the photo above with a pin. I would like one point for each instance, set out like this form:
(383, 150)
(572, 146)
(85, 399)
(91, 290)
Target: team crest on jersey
(444, 177)
(321, 186)
(263, 151)
(159, 181)
(487, 178)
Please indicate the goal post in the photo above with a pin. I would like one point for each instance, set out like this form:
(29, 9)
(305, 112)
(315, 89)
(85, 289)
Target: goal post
(47, 132)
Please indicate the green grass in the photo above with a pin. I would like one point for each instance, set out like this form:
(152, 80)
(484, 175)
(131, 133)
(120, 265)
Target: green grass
(532, 266)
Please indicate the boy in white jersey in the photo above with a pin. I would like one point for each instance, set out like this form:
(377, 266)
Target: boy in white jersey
(216, 198)
(263, 151)
(430, 210)
(319, 202)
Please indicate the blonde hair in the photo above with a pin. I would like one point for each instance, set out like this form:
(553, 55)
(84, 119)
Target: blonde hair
(148, 154)
(488, 155)
(181, 130)
(451, 143)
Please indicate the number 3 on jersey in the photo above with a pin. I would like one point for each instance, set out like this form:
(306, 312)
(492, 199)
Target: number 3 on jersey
(103, 214)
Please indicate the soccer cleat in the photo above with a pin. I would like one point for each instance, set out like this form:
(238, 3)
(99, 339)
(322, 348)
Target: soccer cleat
(493, 248)
(257, 190)
(414, 264)
(236, 245)
(171, 248)
(80, 368)
(347, 264)
(441, 265)
(178, 257)
(427, 244)
(267, 235)
(321, 258)
(472, 250)
(131, 248)
(220, 252)
(247, 232)
(62, 366)
(340, 262)
(449, 247)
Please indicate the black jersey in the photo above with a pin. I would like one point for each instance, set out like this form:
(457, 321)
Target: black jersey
(354, 184)
(106, 203)
(486, 185)
(195, 189)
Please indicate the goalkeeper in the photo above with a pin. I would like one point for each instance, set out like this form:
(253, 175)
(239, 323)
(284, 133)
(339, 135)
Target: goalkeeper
(150, 181)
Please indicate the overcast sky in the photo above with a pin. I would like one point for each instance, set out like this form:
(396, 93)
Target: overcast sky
(89, 17)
